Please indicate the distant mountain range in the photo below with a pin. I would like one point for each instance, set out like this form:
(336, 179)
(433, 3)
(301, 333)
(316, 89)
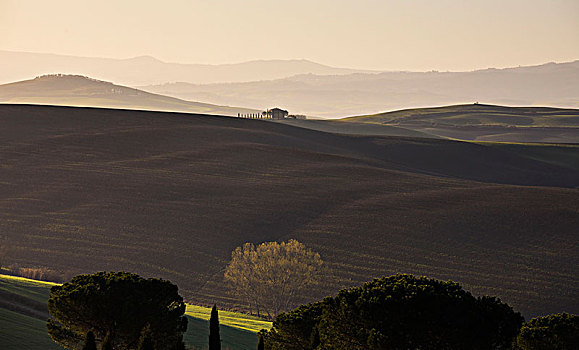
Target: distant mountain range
(305, 87)
(146, 70)
(75, 90)
(331, 96)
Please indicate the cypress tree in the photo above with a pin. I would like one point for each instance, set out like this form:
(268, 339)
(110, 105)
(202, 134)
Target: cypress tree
(214, 338)
(89, 342)
(260, 345)
(146, 340)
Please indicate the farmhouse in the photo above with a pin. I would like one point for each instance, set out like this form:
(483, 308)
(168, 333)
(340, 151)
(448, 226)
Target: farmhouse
(274, 113)
(277, 113)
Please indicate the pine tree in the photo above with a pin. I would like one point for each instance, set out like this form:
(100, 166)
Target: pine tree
(260, 345)
(214, 338)
(89, 342)
(146, 340)
(107, 342)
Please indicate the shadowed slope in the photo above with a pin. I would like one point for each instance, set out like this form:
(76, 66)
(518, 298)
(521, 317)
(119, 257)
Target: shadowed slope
(171, 195)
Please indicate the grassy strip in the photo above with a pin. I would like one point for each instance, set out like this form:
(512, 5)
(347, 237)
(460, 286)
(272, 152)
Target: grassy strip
(18, 331)
(231, 319)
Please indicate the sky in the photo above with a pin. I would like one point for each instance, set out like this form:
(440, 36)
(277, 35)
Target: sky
(415, 35)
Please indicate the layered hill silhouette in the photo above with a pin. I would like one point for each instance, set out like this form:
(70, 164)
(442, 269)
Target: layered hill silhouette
(485, 122)
(77, 90)
(333, 96)
(171, 195)
(145, 70)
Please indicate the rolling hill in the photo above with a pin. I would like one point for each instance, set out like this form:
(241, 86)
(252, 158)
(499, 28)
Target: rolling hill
(171, 195)
(353, 128)
(337, 96)
(146, 70)
(76, 90)
(485, 122)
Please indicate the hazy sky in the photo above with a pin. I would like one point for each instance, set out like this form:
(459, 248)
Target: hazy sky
(373, 34)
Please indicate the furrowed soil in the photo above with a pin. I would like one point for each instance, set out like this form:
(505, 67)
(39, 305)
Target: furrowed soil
(171, 195)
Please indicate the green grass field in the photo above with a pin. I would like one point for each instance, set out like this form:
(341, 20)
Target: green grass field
(23, 326)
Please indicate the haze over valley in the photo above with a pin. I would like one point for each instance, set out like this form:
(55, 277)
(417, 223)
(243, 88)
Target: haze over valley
(289, 175)
(305, 87)
(333, 96)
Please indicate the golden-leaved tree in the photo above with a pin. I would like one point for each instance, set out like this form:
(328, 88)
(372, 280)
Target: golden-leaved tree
(270, 275)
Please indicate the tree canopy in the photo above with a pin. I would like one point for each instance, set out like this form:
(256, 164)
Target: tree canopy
(397, 312)
(270, 275)
(552, 332)
(117, 304)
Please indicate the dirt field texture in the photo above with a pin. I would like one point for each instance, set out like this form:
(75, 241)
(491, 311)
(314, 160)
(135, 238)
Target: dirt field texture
(171, 195)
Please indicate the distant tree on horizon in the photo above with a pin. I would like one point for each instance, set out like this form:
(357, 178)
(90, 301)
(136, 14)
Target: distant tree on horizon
(214, 337)
(270, 275)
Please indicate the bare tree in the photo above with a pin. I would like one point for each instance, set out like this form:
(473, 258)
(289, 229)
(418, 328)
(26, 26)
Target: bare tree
(270, 275)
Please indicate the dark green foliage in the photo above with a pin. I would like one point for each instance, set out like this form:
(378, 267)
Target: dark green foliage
(214, 337)
(294, 330)
(89, 342)
(180, 346)
(552, 332)
(146, 340)
(260, 345)
(117, 304)
(398, 312)
(107, 342)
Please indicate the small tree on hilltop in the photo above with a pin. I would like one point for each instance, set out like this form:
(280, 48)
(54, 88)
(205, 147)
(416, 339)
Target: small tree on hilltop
(270, 275)
(214, 337)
